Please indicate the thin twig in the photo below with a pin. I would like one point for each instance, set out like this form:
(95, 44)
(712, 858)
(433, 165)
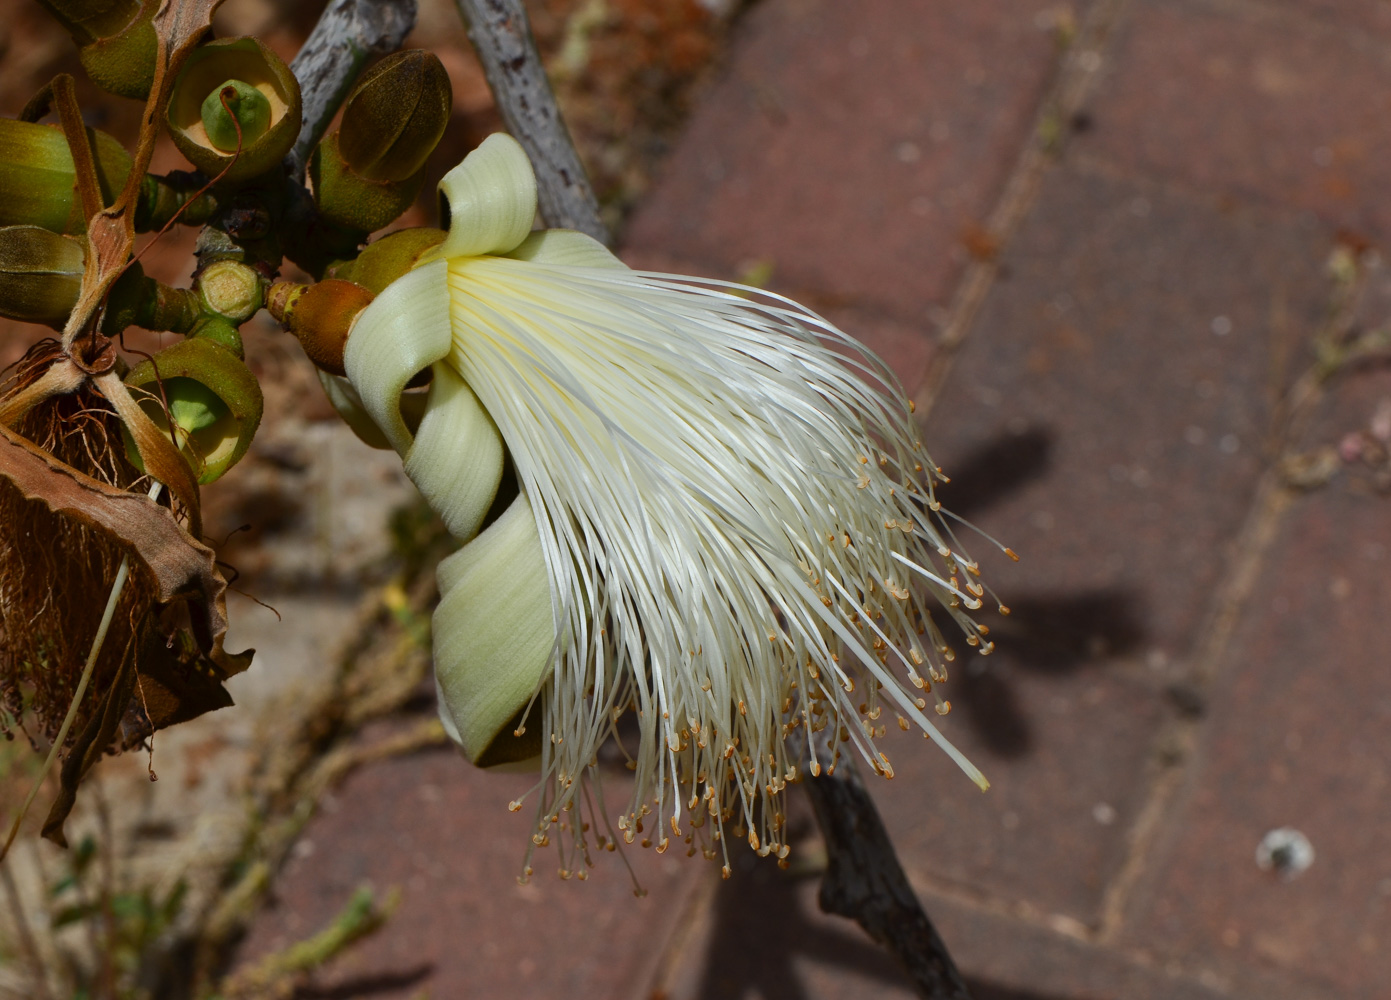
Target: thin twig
(501, 35)
(865, 882)
(348, 33)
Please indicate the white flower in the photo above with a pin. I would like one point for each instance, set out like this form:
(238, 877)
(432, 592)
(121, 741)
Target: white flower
(719, 524)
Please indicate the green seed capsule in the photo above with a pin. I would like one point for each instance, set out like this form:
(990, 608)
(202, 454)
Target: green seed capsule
(203, 130)
(232, 105)
(214, 403)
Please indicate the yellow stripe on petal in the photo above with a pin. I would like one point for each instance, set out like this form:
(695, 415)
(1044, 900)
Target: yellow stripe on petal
(404, 331)
(491, 199)
(493, 635)
(456, 461)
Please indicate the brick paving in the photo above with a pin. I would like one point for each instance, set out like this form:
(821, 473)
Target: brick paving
(1196, 654)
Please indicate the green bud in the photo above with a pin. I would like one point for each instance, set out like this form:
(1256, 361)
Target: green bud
(38, 181)
(214, 403)
(238, 100)
(40, 274)
(354, 202)
(220, 331)
(395, 116)
(116, 41)
(203, 130)
(385, 260)
(124, 63)
(88, 20)
(320, 316)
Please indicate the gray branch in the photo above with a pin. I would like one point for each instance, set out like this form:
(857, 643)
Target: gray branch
(349, 33)
(502, 37)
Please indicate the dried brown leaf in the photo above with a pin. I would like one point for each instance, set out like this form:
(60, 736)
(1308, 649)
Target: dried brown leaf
(182, 567)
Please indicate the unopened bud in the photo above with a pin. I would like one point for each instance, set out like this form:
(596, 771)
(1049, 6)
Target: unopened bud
(320, 316)
(116, 41)
(395, 116)
(38, 180)
(40, 274)
(367, 173)
(385, 260)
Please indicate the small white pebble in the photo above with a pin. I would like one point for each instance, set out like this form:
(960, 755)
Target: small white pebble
(1286, 852)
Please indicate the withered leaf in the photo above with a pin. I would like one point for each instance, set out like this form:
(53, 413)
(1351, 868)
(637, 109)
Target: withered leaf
(183, 568)
(88, 748)
(173, 685)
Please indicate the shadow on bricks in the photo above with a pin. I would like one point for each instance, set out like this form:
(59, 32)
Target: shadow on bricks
(1048, 634)
(770, 941)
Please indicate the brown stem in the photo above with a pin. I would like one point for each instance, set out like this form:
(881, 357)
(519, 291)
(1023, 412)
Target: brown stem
(62, 377)
(865, 882)
(60, 92)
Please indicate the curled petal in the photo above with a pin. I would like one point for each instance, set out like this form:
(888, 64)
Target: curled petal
(490, 199)
(493, 636)
(404, 331)
(456, 460)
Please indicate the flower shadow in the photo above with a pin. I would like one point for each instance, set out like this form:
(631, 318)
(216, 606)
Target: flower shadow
(769, 942)
(765, 942)
(1046, 634)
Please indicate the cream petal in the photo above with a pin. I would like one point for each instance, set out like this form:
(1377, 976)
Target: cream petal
(404, 331)
(457, 459)
(348, 403)
(493, 634)
(565, 247)
(492, 200)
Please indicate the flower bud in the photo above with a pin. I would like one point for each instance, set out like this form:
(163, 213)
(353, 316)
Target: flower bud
(354, 202)
(212, 400)
(202, 127)
(89, 20)
(116, 41)
(38, 181)
(124, 63)
(222, 332)
(388, 258)
(368, 173)
(395, 116)
(320, 316)
(40, 274)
